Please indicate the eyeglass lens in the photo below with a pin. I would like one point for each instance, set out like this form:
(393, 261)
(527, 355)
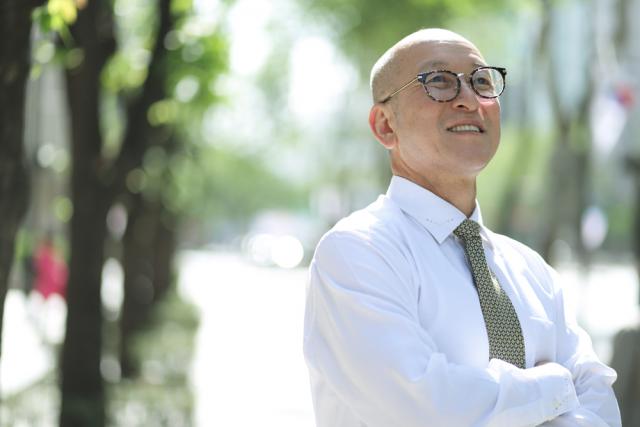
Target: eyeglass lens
(444, 85)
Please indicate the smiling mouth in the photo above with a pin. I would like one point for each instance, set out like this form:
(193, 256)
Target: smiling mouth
(465, 128)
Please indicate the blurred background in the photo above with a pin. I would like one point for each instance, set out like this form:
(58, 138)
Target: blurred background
(167, 167)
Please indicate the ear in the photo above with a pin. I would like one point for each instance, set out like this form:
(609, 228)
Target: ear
(382, 123)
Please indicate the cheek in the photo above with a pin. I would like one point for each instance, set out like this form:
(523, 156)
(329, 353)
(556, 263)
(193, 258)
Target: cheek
(494, 114)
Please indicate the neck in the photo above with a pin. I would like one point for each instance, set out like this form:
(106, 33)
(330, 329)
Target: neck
(459, 189)
(460, 192)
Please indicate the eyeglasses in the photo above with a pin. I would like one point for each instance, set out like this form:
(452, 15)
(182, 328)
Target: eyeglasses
(444, 85)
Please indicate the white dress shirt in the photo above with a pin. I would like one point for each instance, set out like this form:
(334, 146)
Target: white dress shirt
(394, 334)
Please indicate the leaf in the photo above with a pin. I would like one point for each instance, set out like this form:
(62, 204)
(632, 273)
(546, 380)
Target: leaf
(64, 9)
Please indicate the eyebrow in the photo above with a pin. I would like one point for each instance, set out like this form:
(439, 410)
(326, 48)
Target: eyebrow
(436, 64)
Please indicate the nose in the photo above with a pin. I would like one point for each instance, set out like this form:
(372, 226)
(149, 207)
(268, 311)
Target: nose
(467, 98)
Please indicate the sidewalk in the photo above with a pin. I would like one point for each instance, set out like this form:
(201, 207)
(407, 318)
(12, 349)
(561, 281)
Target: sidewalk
(27, 326)
(248, 368)
(606, 299)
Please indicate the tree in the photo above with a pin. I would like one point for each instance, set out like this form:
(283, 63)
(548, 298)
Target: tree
(191, 63)
(95, 183)
(15, 51)
(116, 104)
(569, 175)
(148, 246)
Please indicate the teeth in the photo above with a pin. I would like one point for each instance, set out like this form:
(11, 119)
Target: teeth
(465, 128)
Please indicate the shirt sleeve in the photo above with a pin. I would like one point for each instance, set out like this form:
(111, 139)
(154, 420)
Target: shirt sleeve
(592, 379)
(364, 339)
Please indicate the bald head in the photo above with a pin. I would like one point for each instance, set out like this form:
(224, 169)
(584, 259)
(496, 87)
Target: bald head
(391, 69)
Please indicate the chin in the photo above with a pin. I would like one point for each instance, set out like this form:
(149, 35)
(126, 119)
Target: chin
(472, 167)
(479, 156)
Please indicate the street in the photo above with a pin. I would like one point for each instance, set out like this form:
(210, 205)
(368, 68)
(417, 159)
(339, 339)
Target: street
(248, 368)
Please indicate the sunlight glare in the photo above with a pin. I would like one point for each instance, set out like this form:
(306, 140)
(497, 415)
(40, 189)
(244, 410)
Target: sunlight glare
(318, 78)
(251, 46)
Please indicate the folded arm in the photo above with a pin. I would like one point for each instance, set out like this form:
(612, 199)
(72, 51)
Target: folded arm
(592, 379)
(363, 336)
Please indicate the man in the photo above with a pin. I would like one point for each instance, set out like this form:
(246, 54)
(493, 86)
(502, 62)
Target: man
(417, 314)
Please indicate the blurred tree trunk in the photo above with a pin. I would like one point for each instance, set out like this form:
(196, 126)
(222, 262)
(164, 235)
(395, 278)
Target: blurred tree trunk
(95, 185)
(626, 345)
(569, 178)
(626, 362)
(582, 139)
(556, 179)
(148, 250)
(632, 164)
(165, 249)
(519, 167)
(137, 256)
(15, 52)
(558, 184)
(139, 241)
(81, 380)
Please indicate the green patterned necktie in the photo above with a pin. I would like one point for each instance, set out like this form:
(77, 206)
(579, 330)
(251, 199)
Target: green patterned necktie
(503, 327)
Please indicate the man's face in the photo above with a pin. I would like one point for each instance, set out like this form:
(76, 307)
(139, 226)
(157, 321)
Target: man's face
(431, 144)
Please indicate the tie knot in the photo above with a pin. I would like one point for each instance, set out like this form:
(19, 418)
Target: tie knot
(467, 229)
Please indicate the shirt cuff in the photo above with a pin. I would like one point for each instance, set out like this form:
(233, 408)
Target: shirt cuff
(555, 383)
(580, 417)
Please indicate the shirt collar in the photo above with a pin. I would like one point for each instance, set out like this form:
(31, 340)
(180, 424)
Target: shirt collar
(437, 215)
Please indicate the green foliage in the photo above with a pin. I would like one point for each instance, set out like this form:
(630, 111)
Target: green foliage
(196, 56)
(210, 184)
(53, 20)
(122, 73)
(196, 60)
(56, 16)
(366, 28)
(207, 182)
(621, 222)
(181, 6)
(494, 180)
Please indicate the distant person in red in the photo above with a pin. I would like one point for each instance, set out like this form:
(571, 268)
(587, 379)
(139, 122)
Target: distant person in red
(50, 270)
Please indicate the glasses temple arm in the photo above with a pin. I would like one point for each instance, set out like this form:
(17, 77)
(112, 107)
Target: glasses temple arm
(415, 79)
